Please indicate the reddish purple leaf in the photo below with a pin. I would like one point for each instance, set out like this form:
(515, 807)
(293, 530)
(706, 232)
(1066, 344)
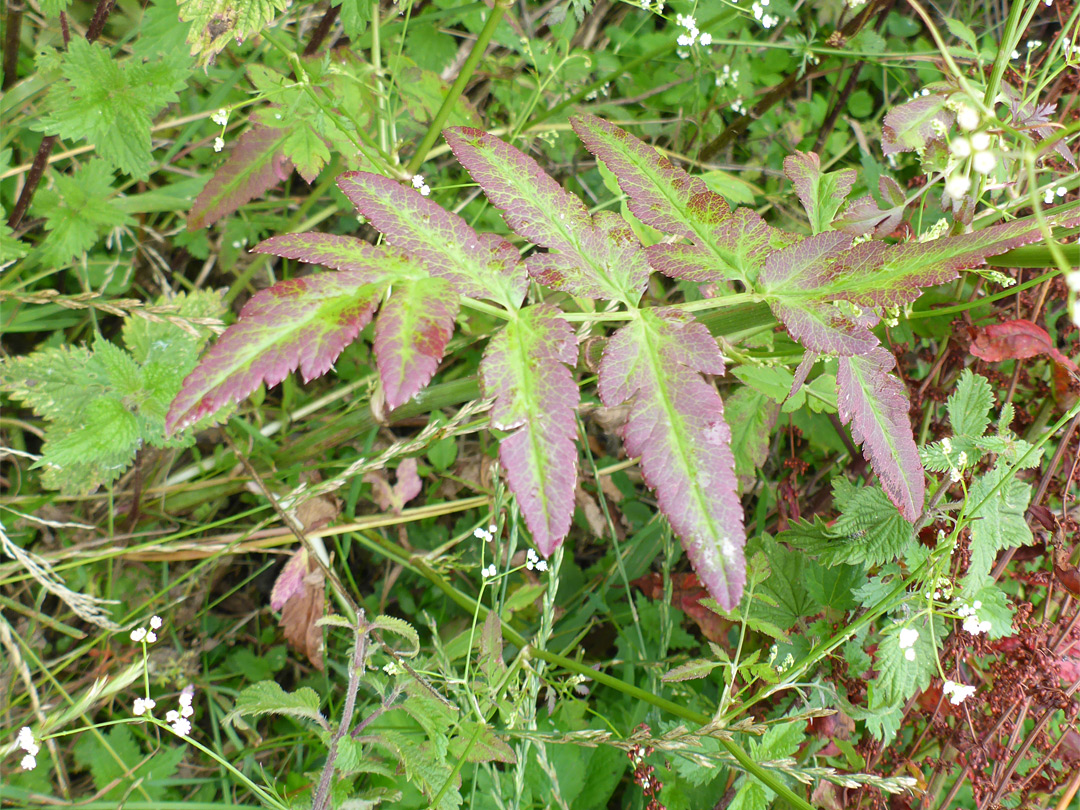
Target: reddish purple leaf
(301, 323)
(411, 335)
(736, 248)
(595, 257)
(875, 403)
(535, 395)
(1017, 340)
(727, 245)
(393, 498)
(253, 167)
(477, 265)
(660, 192)
(864, 215)
(821, 194)
(677, 426)
(413, 327)
(914, 124)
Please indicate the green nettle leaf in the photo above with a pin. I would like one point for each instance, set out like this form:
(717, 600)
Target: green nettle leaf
(969, 404)
(997, 524)
(899, 677)
(119, 764)
(591, 256)
(821, 194)
(110, 103)
(875, 403)
(399, 627)
(267, 697)
(77, 211)
(875, 530)
(215, 22)
(783, 598)
(95, 447)
(255, 165)
(525, 369)
(53, 381)
(677, 426)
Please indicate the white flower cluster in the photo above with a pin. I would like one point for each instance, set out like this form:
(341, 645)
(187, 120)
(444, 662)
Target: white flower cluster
(919, 93)
(178, 720)
(957, 692)
(142, 706)
(1070, 51)
(419, 184)
(727, 76)
(968, 118)
(978, 149)
(766, 20)
(1048, 196)
(906, 642)
(221, 117)
(943, 588)
(648, 6)
(738, 106)
(692, 34)
(533, 562)
(487, 535)
(144, 635)
(26, 742)
(219, 143)
(970, 615)
(490, 572)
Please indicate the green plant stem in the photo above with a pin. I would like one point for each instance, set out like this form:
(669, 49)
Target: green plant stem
(457, 88)
(470, 605)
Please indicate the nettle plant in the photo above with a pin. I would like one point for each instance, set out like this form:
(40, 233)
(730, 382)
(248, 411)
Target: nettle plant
(827, 288)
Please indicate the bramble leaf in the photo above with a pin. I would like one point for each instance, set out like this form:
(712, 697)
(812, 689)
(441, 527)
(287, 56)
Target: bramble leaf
(300, 323)
(661, 194)
(477, 265)
(864, 215)
(875, 403)
(821, 194)
(591, 257)
(413, 327)
(535, 394)
(253, 167)
(727, 245)
(677, 426)
(911, 126)
(411, 335)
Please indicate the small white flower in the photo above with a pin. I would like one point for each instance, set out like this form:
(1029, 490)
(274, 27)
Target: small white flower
(705, 39)
(425, 190)
(957, 692)
(490, 572)
(480, 533)
(961, 461)
(955, 475)
(961, 147)
(967, 118)
(221, 117)
(908, 637)
(182, 727)
(980, 141)
(1015, 54)
(493, 528)
(984, 162)
(1048, 197)
(29, 762)
(155, 622)
(957, 186)
(219, 143)
(186, 695)
(141, 706)
(531, 559)
(1073, 280)
(1061, 191)
(541, 565)
(171, 716)
(151, 636)
(946, 445)
(417, 180)
(138, 634)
